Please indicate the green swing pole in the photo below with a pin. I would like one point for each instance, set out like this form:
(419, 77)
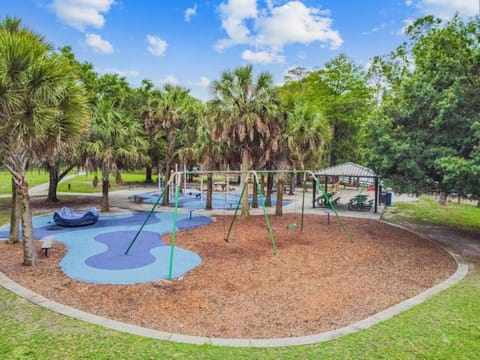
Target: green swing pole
(267, 220)
(303, 201)
(174, 232)
(236, 211)
(146, 220)
(329, 202)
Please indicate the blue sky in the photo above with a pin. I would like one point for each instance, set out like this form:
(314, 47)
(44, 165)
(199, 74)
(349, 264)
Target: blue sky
(190, 42)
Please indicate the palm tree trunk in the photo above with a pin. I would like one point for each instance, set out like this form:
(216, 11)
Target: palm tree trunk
(16, 164)
(279, 205)
(29, 253)
(245, 167)
(268, 197)
(148, 175)
(14, 215)
(208, 205)
(166, 196)
(118, 177)
(255, 194)
(105, 188)
(292, 184)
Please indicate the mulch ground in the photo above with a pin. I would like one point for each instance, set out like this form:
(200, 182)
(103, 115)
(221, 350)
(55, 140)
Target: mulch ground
(319, 281)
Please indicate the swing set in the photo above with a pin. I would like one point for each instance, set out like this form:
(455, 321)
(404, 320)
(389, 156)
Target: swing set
(175, 179)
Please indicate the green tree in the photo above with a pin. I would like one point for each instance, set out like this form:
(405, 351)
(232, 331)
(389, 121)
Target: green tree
(33, 85)
(165, 116)
(245, 105)
(114, 142)
(339, 92)
(426, 133)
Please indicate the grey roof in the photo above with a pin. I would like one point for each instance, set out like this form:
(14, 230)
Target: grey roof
(347, 169)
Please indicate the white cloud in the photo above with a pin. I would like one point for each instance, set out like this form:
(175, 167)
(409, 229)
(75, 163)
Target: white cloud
(375, 29)
(409, 2)
(234, 15)
(272, 28)
(446, 9)
(190, 12)
(98, 44)
(302, 55)
(203, 82)
(169, 79)
(157, 46)
(262, 57)
(129, 73)
(81, 13)
(406, 24)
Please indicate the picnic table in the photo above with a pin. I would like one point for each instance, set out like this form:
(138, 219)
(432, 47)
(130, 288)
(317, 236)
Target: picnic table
(360, 202)
(219, 186)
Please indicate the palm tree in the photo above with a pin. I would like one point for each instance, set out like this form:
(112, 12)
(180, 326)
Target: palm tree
(164, 115)
(245, 106)
(208, 148)
(306, 133)
(33, 83)
(63, 137)
(114, 139)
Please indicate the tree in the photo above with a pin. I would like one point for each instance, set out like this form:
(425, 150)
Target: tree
(33, 84)
(245, 105)
(164, 116)
(114, 141)
(426, 133)
(63, 137)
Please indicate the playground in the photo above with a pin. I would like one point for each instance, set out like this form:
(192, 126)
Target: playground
(320, 280)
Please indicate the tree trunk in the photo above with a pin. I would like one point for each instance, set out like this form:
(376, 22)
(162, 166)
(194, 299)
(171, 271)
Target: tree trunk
(105, 188)
(442, 198)
(208, 205)
(15, 215)
(118, 177)
(255, 194)
(279, 205)
(54, 180)
(52, 183)
(292, 184)
(166, 196)
(245, 167)
(268, 196)
(29, 253)
(148, 175)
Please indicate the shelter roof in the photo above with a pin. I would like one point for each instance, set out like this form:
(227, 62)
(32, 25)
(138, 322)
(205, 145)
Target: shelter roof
(347, 169)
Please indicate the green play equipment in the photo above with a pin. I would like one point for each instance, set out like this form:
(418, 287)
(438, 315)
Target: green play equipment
(177, 177)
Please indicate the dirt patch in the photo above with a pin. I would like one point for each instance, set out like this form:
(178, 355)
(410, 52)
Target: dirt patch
(319, 281)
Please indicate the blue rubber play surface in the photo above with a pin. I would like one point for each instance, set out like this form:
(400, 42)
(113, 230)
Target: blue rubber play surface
(192, 201)
(96, 253)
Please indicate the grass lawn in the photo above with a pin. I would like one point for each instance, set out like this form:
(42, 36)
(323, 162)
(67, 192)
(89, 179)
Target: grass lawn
(83, 183)
(445, 327)
(426, 210)
(34, 178)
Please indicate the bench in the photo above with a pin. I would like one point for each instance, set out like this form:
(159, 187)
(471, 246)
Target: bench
(137, 199)
(47, 244)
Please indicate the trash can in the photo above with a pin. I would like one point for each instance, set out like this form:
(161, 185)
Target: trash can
(381, 199)
(388, 199)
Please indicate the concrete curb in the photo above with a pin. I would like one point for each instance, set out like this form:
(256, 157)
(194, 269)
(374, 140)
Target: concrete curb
(461, 272)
